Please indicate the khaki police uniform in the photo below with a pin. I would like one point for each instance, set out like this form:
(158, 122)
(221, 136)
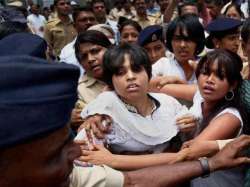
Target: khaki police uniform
(96, 176)
(145, 21)
(88, 89)
(58, 34)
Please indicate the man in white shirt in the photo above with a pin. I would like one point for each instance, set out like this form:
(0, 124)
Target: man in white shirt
(36, 21)
(83, 19)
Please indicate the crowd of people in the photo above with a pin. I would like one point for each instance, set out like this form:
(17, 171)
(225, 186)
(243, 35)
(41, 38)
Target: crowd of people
(150, 93)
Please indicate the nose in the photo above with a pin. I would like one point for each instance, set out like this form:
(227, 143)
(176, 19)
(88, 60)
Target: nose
(210, 78)
(91, 58)
(130, 75)
(130, 38)
(182, 43)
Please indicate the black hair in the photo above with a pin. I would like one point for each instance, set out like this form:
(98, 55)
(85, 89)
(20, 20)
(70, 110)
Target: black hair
(132, 23)
(114, 59)
(9, 27)
(215, 2)
(78, 10)
(229, 67)
(97, 1)
(192, 25)
(245, 30)
(186, 3)
(90, 36)
(237, 8)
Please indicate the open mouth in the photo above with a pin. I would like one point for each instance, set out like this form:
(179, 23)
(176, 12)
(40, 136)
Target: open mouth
(208, 89)
(132, 87)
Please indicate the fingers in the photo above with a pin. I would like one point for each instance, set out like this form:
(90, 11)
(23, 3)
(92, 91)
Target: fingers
(243, 160)
(186, 119)
(187, 127)
(187, 144)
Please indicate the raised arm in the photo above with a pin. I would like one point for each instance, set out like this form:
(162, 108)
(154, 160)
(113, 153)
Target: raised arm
(180, 91)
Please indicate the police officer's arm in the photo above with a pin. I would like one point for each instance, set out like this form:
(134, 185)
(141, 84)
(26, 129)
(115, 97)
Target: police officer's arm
(171, 175)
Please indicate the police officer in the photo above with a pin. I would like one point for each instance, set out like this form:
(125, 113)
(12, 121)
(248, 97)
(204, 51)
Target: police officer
(60, 31)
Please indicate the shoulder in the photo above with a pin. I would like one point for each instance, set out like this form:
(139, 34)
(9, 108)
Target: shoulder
(68, 49)
(109, 95)
(53, 22)
(164, 98)
(232, 112)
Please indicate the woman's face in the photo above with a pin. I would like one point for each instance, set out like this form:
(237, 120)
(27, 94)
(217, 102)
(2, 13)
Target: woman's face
(233, 13)
(183, 47)
(155, 50)
(212, 87)
(129, 34)
(91, 59)
(230, 42)
(130, 83)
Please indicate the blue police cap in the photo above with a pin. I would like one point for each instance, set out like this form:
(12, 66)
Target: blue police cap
(221, 27)
(150, 34)
(23, 44)
(37, 98)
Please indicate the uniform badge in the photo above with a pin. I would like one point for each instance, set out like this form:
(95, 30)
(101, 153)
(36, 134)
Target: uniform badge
(154, 37)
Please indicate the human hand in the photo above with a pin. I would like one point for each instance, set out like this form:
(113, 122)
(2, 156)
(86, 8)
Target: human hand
(158, 82)
(230, 156)
(196, 149)
(76, 119)
(186, 123)
(98, 156)
(99, 124)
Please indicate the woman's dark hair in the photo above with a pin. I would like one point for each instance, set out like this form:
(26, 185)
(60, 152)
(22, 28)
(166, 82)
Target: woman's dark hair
(229, 67)
(114, 59)
(91, 36)
(237, 8)
(245, 30)
(192, 25)
(131, 23)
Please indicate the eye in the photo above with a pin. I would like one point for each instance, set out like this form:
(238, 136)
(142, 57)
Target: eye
(95, 51)
(83, 56)
(204, 71)
(137, 69)
(121, 71)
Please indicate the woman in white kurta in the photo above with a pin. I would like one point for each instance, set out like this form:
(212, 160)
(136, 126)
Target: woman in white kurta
(142, 122)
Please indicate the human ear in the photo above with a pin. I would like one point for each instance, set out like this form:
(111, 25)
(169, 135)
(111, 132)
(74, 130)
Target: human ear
(216, 43)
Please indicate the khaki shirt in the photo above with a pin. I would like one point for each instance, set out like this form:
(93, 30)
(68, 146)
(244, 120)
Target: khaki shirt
(144, 22)
(88, 89)
(58, 34)
(96, 176)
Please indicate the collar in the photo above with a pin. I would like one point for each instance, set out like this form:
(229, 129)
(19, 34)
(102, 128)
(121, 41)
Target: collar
(59, 21)
(89, 81)
(131, 108)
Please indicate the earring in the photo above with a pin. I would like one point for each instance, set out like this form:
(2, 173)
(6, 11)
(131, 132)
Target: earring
(229, 96)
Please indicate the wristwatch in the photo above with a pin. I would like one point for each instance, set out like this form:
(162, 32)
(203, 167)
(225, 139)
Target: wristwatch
(205, 166)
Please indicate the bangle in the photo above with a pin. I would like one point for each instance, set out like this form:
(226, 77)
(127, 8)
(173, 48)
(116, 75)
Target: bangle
(205, 166)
